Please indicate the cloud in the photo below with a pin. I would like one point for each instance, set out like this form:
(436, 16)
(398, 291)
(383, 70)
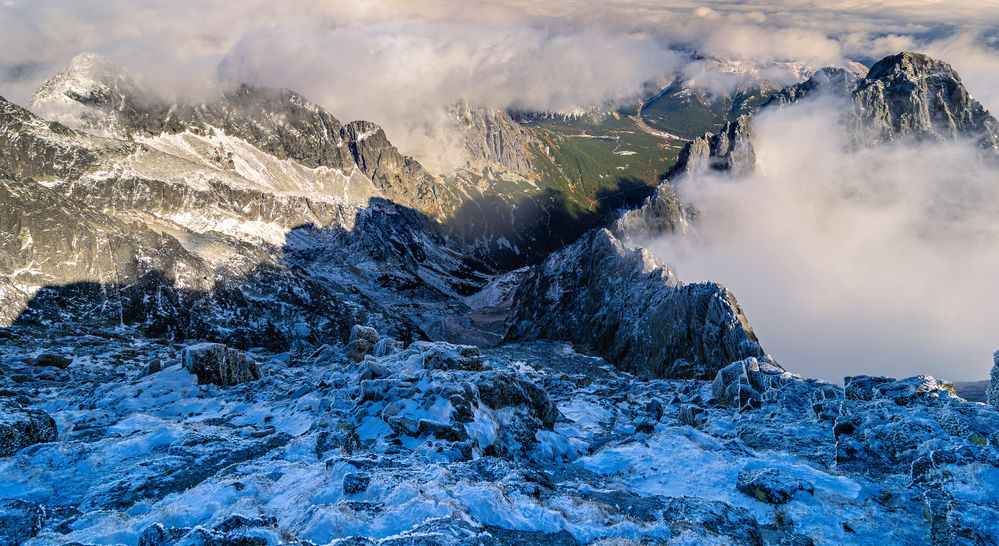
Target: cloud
(399, 62)
(879, 260)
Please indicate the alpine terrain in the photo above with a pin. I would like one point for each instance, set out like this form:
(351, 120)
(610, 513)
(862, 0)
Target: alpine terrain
(241, 320)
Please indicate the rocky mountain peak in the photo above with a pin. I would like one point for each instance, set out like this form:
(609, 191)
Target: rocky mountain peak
(80, 95)
(914, 95)
(910, 66)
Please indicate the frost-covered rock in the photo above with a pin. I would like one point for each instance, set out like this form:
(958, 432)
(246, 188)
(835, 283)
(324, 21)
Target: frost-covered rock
(22, 427)
(214, 363)
(235, 530)
(19, 521)
(911, 426)
(743, 385)
(362, 341)
(920, 388)
(628, 307)
(771, 485)
(447, 356)
(992, 392)
(469, 409)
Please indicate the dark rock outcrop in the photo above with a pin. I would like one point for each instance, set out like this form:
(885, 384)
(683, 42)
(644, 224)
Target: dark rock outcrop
(217, 364)
(21, 427)
(992, 391)
(729, 150)
(628, 307)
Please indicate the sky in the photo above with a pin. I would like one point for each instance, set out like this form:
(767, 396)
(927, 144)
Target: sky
(833, 283)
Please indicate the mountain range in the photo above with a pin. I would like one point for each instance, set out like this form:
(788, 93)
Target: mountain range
(240, 320)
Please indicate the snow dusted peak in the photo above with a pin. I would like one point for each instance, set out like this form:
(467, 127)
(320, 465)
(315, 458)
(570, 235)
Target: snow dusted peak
(81, 95)
(89, 79)
(910, 66)
(914, 95)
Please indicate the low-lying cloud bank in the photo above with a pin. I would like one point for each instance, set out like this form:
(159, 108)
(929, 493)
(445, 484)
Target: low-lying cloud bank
(399, 63)
(877, 260)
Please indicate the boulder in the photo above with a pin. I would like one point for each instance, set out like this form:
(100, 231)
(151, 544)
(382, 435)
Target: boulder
(743, 385)
(692, 415)
(447, 356)
(992, 392)
(363, 340)
(771, 485)
(53, 360)
(21, 427)
(216, 364)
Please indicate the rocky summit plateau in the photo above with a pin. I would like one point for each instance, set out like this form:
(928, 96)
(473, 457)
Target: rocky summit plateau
(243, 321)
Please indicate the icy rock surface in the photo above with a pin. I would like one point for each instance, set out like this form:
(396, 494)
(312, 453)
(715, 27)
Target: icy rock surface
(19, 521)
(520, 443)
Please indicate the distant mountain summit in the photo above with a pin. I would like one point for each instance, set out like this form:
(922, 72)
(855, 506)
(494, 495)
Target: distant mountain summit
(903, 96)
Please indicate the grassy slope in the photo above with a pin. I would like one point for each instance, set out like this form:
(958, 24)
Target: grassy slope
(689, 116)
(600, 162)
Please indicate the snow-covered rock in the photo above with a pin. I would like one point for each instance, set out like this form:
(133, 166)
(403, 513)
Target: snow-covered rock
(771, 485)
(362, 341)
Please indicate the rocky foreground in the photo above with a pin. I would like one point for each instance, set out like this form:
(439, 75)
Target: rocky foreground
(118, 439)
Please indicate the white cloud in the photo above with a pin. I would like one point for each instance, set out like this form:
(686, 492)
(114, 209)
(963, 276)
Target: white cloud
(879, 260)
(397, 62)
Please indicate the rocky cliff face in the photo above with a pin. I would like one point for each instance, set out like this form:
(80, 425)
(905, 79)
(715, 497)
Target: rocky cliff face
(729, 151)
(492, 138)
(42, 149)
(910, 95)
(628, 307)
